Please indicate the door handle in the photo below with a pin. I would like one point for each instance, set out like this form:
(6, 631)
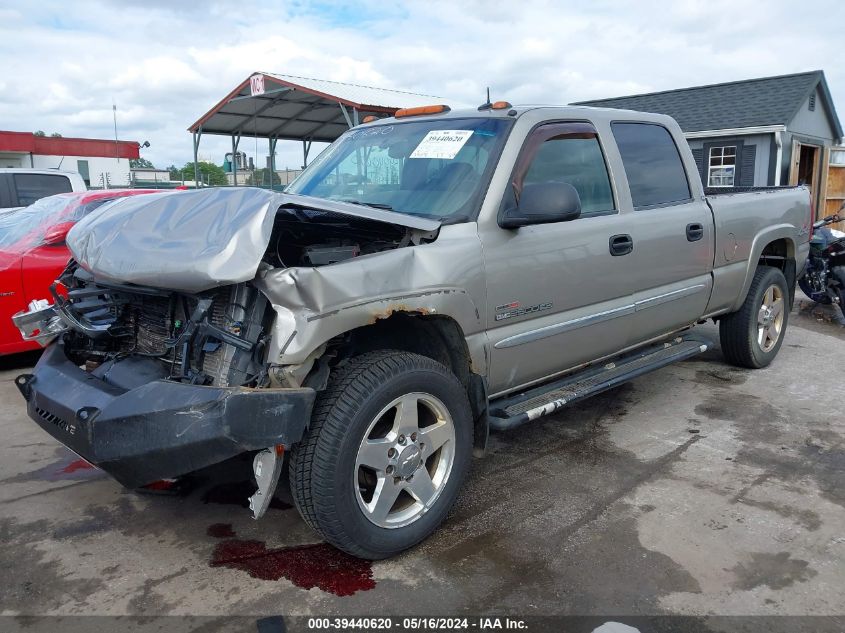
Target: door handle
(621, 245)
(695, 232)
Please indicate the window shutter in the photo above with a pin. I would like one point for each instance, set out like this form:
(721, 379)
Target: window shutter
(698, 155)
(746, 175)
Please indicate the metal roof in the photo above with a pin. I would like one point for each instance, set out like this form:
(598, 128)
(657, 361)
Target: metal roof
(300, 108)
(737, 104)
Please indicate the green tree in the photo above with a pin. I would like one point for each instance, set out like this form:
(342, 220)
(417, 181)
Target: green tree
(261, 178)
(39, 133)
(141, 162)
(175, 172)
(56, 135)
(210, 174)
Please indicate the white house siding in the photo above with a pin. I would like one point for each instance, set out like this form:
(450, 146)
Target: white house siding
(111, 172)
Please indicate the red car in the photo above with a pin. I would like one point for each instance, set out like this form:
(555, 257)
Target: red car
(33, 252)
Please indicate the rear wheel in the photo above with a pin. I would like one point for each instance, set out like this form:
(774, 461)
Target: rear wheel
(752, 336)
(385, 455)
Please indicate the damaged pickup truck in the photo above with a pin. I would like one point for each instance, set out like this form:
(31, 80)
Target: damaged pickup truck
(428, 278)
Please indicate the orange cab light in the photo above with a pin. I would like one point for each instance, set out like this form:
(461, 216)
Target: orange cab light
(369, 118)
(431, 109)
(500, 105)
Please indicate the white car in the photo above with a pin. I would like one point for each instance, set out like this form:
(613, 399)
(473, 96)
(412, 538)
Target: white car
(20, 187)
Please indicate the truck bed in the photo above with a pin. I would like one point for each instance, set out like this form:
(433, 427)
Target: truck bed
(769, 214)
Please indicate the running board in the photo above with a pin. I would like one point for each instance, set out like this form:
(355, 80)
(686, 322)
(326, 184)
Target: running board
(513, 411)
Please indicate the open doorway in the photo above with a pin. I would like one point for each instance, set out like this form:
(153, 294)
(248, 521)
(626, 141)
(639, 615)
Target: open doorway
(10, 161)
(805, 167)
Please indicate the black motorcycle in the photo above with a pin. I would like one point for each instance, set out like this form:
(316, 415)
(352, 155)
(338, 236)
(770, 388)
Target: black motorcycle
(823, 280)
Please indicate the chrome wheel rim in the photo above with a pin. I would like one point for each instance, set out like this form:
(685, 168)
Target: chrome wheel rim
(770, 318)
(404, 460)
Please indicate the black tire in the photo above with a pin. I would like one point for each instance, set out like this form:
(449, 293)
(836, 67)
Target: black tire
(738, 330)
(323, 465)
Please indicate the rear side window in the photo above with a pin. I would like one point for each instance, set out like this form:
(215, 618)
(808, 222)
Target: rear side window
(32, 187)
(5, 195)
(652, 164)
(579, 162)
(84, 209)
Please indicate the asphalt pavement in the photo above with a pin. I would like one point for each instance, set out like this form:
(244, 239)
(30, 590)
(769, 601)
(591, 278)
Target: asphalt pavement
(699, 489)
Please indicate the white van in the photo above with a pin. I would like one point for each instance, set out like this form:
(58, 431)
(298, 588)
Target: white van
(20, 187)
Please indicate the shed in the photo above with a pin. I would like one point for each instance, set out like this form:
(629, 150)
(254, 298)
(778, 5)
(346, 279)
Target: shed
(756, 132)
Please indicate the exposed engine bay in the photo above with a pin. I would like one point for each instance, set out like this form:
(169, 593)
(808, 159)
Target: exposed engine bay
(308, 237)
(128, 334)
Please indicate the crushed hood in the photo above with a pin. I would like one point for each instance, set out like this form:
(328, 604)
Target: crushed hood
(192, 241)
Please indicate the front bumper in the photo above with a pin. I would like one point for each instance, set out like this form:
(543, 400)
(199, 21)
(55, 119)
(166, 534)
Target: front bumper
(161, 429)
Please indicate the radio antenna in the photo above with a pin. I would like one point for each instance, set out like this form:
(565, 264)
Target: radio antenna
(487, 104)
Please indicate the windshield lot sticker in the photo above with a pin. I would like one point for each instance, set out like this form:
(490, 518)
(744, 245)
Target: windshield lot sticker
(443, 144)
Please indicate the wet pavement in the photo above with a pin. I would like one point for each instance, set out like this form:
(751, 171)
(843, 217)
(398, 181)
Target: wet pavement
(698, 489)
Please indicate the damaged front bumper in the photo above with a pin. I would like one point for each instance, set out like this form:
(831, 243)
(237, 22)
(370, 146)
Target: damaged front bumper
(161, 429)
(42, 322)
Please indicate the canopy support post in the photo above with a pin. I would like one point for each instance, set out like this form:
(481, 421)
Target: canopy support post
(306, 147)
(197, 135)
(236, 139)
(346, 115)
(273, 141)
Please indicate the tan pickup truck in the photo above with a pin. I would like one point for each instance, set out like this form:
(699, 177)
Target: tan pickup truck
(428, 278)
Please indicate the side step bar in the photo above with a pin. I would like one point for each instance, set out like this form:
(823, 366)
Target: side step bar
(513, 411)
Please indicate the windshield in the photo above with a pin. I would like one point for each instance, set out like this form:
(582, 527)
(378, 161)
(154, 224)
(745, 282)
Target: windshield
(435, 169)
(27, 226)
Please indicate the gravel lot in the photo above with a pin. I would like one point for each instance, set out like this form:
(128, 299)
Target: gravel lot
(699, 489)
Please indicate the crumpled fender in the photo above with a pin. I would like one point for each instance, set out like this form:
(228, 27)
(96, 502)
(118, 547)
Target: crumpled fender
(314, 305)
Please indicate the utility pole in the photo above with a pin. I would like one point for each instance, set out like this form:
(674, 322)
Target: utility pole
(116, 145)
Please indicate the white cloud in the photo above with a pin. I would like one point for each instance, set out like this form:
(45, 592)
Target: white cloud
(165, 65)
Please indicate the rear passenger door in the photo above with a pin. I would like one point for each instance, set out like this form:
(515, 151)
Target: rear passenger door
(670, 232)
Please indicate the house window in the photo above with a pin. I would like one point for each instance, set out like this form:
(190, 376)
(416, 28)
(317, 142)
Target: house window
(721, 166)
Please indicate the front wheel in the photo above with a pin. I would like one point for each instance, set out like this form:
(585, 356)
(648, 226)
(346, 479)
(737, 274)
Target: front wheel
(752, 336)
(387, 450)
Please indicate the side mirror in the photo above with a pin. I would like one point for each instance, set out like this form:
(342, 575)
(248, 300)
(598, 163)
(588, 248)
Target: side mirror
(543, 203)
(56, 234)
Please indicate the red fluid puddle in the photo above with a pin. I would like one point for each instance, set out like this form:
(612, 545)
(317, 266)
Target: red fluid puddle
(179, 487)
(79, 464)
(161, 484)
(237, 494)
(221, 530)
(306, 566)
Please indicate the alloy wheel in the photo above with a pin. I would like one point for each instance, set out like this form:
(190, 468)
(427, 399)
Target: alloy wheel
(404, 460)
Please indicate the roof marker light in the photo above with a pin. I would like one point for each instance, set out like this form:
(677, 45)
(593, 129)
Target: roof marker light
(500, 105)
(369, 118)
(431, 109)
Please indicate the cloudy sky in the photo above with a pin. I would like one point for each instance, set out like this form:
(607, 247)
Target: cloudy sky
(166, 63)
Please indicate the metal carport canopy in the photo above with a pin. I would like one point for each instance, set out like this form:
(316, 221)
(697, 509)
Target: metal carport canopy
(287, 107)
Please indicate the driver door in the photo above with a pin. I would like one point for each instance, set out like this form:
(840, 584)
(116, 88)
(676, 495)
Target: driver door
(556, 296)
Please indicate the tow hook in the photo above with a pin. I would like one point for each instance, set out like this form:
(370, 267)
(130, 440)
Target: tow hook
(267, 466)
